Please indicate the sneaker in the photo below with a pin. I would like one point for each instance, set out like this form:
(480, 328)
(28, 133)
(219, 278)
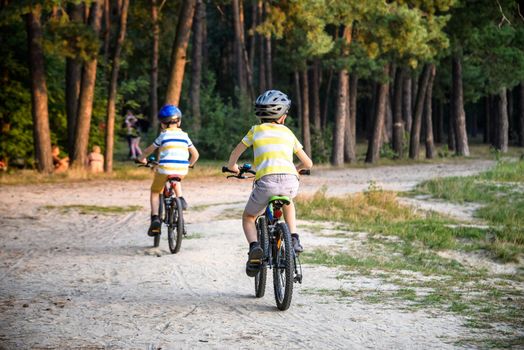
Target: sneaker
(184, 203)
(295, 242)
(156, 224)
(254, 260)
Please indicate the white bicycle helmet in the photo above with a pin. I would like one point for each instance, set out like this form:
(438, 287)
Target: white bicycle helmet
(272, 104)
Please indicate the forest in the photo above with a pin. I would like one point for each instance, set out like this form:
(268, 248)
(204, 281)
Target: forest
(401, 79)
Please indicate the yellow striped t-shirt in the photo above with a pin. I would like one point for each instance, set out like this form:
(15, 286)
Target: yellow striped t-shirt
(273, 148)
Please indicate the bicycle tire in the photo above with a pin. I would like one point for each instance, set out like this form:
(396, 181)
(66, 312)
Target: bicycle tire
(283, 268)
(175, 227)
(263, 239)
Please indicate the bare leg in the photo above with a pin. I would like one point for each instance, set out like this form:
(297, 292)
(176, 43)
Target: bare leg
(289, 216)
(250, 230)
(155, 201)
(178, 189)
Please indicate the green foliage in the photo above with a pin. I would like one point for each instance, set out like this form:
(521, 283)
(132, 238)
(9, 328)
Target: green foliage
(221, 130)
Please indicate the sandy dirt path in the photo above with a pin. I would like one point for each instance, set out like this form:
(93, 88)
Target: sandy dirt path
(71, 280)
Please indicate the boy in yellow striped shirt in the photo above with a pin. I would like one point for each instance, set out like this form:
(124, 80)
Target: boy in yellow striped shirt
(273, 147)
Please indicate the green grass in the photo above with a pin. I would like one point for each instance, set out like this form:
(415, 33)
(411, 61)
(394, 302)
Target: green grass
(93, 209)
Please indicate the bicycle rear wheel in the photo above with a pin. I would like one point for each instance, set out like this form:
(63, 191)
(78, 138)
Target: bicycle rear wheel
(175, 226)
(283, 268)
(263, 239)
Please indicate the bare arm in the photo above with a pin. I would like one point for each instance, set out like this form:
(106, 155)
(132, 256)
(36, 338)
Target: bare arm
(150, 149)
(305, 161)
(193, 152)
(233, 158)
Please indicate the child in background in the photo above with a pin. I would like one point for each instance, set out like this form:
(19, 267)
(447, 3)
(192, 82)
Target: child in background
(95, 160)
(60, 164)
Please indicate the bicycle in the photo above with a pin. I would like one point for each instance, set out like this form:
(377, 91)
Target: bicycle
(275, 239)
(172, 216)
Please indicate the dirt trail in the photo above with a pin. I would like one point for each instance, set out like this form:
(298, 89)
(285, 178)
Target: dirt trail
(69, 280)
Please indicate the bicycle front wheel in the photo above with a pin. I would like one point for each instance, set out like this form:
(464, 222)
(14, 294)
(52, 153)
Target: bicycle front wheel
(175, 226)
(263, 239)
(283, 267)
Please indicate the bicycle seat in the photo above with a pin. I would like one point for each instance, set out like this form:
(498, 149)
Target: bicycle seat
(282, 199)
(174, 178)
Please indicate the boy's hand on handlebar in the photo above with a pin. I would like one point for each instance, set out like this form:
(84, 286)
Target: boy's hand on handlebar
(234, 168)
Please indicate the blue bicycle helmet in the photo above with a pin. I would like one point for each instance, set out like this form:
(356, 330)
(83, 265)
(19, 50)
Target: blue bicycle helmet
(168, 113)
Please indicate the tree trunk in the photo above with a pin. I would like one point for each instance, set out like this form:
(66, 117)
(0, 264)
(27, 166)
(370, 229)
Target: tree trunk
(407, 103)
(196, 64)
(111, 101)
(375, 141)
(41, 132)
(324, 117)
(341, 111)
(239, 49)
(178, 55)
(153, 86)
(430, 145)
(502, 122)
(341, 107)
(353, 91)
(261, 53)
(414, 142)
(439, 135)
(306, 133)
(298, 101)
(87, 89)
(350, 127)
(269, 63)
(72, 83)
(107, 30)
(253, 38)
(315, 95)
(398, 125)
(459, 116)
(487, 119)
(452, 138)
(521, 114)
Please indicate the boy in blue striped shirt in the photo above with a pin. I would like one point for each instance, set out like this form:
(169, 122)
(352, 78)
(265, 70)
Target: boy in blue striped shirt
(176, 154)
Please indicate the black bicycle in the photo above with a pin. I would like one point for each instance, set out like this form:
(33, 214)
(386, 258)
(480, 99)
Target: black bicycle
(275, 239)
(170, 212)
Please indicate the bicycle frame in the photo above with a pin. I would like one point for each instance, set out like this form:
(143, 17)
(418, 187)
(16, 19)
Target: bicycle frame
(273, 215)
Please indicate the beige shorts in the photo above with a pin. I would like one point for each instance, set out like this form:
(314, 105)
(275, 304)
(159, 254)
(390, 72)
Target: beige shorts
(268, 186)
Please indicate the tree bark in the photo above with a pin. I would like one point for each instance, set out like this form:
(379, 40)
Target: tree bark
(439, 134)
(430, 145)
(341, 111)
(196, 64)
(306, 133)
(239, 50)
(261, 53)
(452, 137)
(107, 29)
(72, 83)
(324, 117)
(459, 116)
(298, 101)
(375, 141)
(414, 142)
(398, 125)
(87, 89)
(407, 103)
(353, 91)
(521, 114)
(39, 108)
(111, 101)
(315, 95)
(502, 122)
(487, 119)
(153, 86)
(350, 127)
(179, 53)
(341, 107)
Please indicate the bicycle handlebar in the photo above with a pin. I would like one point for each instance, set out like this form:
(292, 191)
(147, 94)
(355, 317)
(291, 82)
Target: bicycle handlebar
(246, 168)
(149, 164)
